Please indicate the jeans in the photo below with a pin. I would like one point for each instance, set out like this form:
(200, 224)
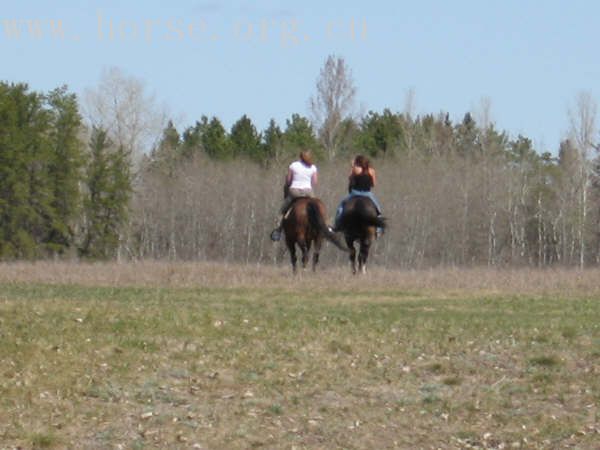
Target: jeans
(355, 193)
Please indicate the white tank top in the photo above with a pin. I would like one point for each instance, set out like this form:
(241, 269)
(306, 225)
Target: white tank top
(301, 175)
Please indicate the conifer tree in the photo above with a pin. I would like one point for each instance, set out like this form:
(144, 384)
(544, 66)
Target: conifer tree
(167, 154)
(273, 142)
(65, 166)
(191, 139)
(26, 195)
(109, 187)
(245, 140)
(381, 134)
(299, 135)
(215, 140)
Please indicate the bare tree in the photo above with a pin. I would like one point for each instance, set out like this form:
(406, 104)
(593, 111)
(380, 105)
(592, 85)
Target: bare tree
(410, 103)
(583, 131)
(134, 122)
(121, 105)
(333, 102)
(483, 113)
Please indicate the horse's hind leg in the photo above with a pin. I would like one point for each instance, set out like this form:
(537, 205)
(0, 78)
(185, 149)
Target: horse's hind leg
(292, 249)
(352, 256)
(305, 247)
(363, 256)
(316, 252)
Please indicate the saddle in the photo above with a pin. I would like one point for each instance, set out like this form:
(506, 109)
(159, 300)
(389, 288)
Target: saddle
(292, 203)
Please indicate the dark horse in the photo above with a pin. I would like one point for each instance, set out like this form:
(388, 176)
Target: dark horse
(304, 225)
(359, 222)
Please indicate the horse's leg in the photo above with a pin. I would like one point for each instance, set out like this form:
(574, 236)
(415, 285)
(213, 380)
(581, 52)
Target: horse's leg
(350, 244)
(305, 247)
(316, 252)
(292, 248)
(365, 244)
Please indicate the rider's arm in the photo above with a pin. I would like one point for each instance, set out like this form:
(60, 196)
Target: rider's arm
(289, 177)
(373, 177)
(314, 179)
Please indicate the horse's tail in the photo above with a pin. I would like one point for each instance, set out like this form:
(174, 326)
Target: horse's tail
(318, 221)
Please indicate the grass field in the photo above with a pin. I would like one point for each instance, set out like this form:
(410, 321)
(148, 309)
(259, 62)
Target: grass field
(155, 355)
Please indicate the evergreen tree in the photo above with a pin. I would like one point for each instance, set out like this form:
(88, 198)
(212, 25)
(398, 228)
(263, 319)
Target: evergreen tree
(191, 140)
(299, 134)
(568, 156)
(350, 132)
(493, 142)
(380, 134)
(166, 155)
(431, 136)
(25, 188)
(109, 187)
(64, 166)
(520, 151)
(245, 140)
(273, 147)
(215, 140)
(467, 137)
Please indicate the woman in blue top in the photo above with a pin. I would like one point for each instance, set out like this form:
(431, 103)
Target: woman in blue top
(360, 182)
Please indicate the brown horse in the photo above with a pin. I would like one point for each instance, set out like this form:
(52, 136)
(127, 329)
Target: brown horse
(304, 225)
(359, 222)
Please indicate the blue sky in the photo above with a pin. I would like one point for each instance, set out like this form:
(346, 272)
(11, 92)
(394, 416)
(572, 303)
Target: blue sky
(262, 58)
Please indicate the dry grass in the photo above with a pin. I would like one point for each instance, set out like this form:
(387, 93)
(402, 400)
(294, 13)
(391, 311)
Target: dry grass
(157, 355)
(440, 282)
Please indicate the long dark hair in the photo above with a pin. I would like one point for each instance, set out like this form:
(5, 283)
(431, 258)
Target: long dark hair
(362, 162)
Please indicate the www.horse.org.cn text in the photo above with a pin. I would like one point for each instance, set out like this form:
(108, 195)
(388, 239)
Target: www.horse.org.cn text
(286, 32)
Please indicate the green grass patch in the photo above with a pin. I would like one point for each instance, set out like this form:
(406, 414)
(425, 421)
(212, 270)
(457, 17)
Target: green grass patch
(44, 440)
(282, 368)
(547, 361)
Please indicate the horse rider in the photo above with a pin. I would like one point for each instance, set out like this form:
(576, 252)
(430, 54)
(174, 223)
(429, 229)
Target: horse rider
(360, 182)
(300, 180)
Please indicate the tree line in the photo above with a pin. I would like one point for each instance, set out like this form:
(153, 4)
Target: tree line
(459, 193)
(454, 193)
(63, 189)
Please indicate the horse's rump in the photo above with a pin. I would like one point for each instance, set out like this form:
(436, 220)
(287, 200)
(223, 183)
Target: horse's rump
(304, 226)
(359, 213)
(305, 221)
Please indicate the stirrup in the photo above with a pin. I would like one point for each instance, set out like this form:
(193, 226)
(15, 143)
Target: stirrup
(276, 234)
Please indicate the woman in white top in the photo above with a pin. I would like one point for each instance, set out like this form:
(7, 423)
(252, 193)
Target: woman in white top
(299, 182)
